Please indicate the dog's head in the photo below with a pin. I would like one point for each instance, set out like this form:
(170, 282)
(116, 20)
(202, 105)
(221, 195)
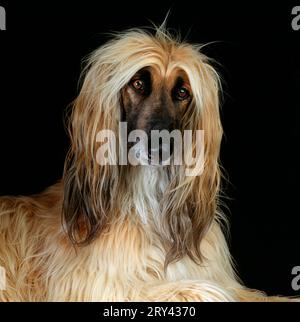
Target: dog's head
(153, 82)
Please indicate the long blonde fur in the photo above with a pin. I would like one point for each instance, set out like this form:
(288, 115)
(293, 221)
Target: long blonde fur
(121, 233)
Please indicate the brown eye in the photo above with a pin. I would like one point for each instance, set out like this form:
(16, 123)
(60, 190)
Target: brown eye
(138, 85)
(182, 93)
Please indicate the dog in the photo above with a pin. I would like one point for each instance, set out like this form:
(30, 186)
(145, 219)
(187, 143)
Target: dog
(123, 232)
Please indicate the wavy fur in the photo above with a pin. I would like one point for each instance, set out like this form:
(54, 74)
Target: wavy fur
(122, 233)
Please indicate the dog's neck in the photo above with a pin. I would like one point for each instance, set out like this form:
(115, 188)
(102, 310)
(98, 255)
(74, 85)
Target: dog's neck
(147, 190)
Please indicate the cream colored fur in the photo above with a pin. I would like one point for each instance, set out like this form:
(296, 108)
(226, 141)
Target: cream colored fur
(139, 209)
(125, 264)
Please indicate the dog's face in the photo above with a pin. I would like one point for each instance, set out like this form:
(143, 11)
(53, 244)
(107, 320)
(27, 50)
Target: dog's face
(155, 101)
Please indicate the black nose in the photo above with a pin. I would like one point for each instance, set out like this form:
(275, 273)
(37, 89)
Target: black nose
(162, 125)
(162, 152)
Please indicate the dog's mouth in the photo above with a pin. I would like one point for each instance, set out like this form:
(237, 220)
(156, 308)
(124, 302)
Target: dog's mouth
(148, 154)
(160, 155)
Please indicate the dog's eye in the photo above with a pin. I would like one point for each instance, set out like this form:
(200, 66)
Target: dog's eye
(182, 94)
(138, 85)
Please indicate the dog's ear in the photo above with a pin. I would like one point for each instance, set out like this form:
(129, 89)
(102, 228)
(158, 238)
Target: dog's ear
(191, 202)
(86, 208)
(89, 187)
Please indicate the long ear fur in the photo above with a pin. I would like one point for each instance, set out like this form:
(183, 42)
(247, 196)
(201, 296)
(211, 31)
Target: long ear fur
(89, 189)
(191, 203)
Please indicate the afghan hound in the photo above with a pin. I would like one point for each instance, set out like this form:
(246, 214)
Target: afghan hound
(128, 232)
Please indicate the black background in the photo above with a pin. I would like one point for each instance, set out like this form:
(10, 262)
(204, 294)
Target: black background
(259, 56)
